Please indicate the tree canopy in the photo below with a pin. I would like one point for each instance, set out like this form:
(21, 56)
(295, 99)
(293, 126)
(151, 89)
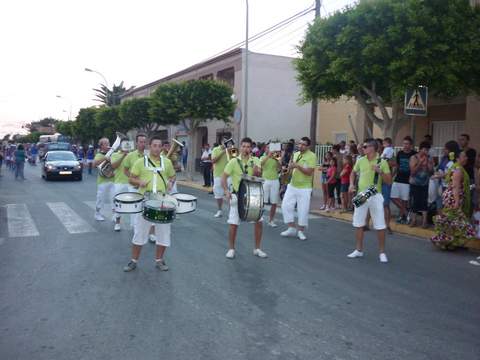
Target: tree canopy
(375, 50)
(111, 97)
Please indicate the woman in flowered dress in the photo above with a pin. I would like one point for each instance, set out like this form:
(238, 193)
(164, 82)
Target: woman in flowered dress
(452, 227)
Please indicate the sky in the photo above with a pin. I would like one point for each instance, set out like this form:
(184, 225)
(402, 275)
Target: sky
(46, 45)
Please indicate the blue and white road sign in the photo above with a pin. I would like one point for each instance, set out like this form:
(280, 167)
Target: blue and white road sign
(416, 101)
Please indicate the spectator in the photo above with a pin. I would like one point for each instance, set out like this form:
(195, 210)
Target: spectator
(471, 156)
(206, 161)
(184, 155)
(337, 155)
(345, 182)
(326, 163)
(380, 145)
(388, 155)
(452, 227)
(34, 153)
(255, 150)
(344, 150)
(331, 181)
(421, 168)
(19, 162)
(90, 156)
(354, 152)
(450, 151)
(401, 188)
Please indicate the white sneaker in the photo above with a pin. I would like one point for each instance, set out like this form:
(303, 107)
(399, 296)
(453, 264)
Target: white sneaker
(117, 227)
(259, 253)
(355, 254)
(474, 262)
(218, 214)
(230, 254)
(289, 232)
(272, 224)
(383, 258)
(301, 236)
(114, 217)
(152, 238)
(99, 217)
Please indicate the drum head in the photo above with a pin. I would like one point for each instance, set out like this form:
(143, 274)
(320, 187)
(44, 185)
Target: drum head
(129, 197)
(184, 197)
(160, 204)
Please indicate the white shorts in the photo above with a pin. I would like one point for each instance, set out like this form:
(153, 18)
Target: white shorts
(299, 197)
(233, 215)
(400, 191)
(218, 192)
(374, 205)
(271, 191)
(141, 229)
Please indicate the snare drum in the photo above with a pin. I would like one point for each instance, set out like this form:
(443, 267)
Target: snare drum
(159, 211)
(128, 203)
(250, 199)
(186, 203)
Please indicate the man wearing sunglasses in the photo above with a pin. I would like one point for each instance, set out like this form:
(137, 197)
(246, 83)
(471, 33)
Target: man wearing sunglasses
(366, 169)
(299, 190)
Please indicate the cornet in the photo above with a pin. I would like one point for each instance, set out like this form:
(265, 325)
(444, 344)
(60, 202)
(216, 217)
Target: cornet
(173, 153)
(232, 152)
(105, 168)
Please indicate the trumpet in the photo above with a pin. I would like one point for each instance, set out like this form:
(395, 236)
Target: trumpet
(173, 153)
(231, 151)
(105, 168)
(277, 155)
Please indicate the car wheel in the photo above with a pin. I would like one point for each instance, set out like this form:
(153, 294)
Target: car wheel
(47, 178)
(79, 178)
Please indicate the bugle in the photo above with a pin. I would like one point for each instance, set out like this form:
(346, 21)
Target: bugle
(105, 167)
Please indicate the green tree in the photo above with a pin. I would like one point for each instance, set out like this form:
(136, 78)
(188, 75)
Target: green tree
(375, 50)
(192, 103)
(66, 128)
(107, 122)
(135, 113)
(111, 97)
(31, 138)
(85, 128)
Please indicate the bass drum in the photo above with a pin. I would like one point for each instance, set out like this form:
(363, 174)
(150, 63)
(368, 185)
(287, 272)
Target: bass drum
(128, 203)
(186, 203)
(250, 200)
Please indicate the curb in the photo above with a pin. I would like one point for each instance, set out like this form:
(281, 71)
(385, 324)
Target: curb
(425, 234)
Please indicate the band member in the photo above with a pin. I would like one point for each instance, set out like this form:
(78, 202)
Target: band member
(367, 167)
(219, 160)
(142, 177)
(236, 167)
(271, 166)
(299, 190)
(120, 179)
(104, 184)
(174, 159)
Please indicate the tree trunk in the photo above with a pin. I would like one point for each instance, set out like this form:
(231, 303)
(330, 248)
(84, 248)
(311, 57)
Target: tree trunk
(190, 171)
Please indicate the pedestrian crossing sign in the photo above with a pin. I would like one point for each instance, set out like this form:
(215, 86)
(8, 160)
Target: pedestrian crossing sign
(416, 101)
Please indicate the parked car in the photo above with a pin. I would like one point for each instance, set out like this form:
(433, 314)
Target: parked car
(61, 165)
(52, 146)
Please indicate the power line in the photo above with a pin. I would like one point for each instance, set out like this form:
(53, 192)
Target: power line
(284, 39)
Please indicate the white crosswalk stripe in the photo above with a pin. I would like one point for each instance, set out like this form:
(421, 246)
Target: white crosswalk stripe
(69, 218)
(20, 222)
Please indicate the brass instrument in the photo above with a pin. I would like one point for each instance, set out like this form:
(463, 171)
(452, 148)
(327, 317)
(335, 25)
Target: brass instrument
(231, 150)
(173, 154)
(277, 155)
(286, 173)
(105, 168)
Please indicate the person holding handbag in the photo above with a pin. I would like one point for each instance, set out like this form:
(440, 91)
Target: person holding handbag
(421, 169)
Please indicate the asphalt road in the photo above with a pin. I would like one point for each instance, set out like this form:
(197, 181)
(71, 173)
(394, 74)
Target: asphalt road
(63, 294)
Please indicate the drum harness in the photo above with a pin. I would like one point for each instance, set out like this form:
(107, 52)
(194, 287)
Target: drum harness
(155, 169)
(244, 168)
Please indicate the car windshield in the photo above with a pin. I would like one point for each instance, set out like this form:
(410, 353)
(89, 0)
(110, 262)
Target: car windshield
(61, 155)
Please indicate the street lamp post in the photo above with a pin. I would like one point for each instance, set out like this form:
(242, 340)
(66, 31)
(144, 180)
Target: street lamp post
(99, 73)
(70, 103)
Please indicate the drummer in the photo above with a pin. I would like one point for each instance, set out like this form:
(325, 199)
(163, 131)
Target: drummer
(120, 179)
(142, 177)
(235, 168)
(271, 167)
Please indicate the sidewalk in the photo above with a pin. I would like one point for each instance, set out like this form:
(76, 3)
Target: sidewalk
(317, 202)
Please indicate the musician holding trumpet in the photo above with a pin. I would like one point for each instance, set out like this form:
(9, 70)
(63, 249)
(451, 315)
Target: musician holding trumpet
(105, 187)
(271, 165)
(299, 190)
(244, 164)
(372, 171)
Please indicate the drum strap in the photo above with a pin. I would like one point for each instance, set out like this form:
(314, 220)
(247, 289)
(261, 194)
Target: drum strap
(157, 171)
(375, 178)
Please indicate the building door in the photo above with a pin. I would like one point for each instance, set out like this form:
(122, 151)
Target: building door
(443, 131)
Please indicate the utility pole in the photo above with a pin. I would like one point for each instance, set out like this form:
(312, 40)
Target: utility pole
(245, 77)
(314, 111)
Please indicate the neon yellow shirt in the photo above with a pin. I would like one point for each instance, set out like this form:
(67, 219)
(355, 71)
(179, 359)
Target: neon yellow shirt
(235, 172)
(306, 160)
(131, 158)
(146, 174)
(219, 166)
(364, 169)
(101, 179)
(120, 177)
(269, 168)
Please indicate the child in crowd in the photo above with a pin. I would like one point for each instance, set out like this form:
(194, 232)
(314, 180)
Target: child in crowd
(345, 182)
(331, 182)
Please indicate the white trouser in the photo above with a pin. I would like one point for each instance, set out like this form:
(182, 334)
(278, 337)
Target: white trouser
(141, 230)
(233, 215)
(271, 190)
(104, 191)
(300, 197)
(218, 192)
(374, 205)
(119, 188)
